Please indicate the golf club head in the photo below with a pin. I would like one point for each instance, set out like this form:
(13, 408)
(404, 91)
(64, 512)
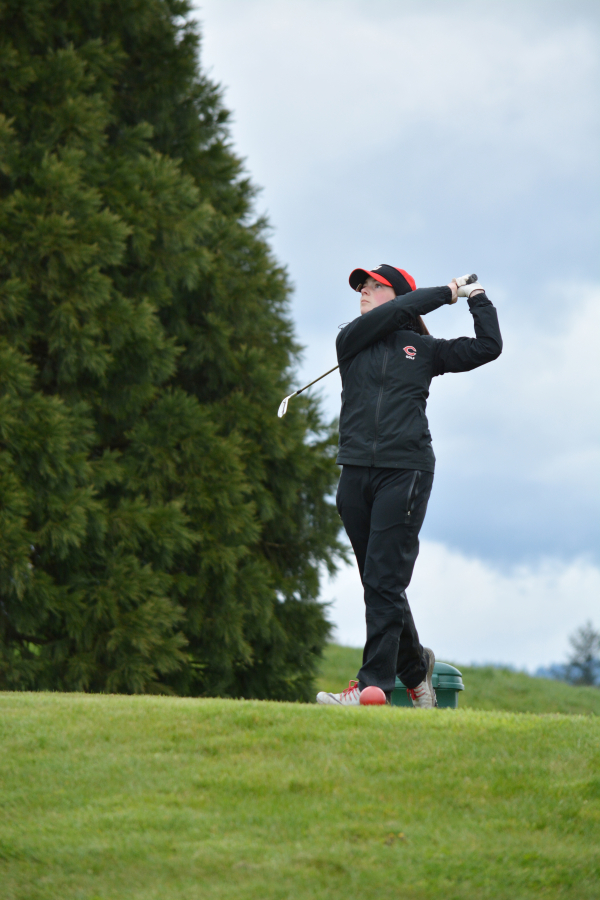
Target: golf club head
(284, 405)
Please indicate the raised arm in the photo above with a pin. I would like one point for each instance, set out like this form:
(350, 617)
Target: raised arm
(463, 354)
(381, 321)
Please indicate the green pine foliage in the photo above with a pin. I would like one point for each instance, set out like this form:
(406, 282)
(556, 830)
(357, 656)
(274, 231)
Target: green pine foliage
(161, 530)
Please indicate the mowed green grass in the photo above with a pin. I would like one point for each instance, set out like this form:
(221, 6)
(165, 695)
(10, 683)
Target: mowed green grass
(145, 797)
(485, 688)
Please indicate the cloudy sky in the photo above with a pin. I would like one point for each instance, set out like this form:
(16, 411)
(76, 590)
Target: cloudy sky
(443, 137)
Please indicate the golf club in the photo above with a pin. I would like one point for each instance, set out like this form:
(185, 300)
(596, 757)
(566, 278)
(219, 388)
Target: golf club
(284, 403)
(464, 279)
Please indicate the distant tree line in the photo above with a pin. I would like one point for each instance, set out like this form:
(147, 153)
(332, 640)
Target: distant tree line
(160, 529)
(583, 663)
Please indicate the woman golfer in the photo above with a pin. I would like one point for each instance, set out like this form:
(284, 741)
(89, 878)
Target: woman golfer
(387, 359)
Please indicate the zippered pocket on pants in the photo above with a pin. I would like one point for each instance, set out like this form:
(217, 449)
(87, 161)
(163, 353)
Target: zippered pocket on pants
(412, 494)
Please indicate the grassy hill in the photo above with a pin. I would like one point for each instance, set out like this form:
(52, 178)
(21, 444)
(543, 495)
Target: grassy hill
(146, 798)
(485, 688)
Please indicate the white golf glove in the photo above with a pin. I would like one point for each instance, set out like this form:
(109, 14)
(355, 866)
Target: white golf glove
(466, 279)
(467, 289)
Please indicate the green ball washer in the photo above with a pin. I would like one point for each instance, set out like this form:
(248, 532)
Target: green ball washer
(447, 681)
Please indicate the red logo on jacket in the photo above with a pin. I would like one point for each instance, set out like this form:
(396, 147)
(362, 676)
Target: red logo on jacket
(410, 351)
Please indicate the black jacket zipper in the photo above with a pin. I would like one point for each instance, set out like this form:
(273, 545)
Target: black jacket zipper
(383, 368)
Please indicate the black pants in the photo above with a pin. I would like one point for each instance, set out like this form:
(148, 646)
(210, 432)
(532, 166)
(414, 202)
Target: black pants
(383, 511)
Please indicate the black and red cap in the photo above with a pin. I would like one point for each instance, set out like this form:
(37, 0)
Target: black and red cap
(395, 278)
(398, 279)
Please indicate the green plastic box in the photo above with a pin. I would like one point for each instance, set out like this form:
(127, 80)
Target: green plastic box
(447, 682)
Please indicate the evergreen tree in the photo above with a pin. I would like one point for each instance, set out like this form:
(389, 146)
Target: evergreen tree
(162, 530)
(583, 666)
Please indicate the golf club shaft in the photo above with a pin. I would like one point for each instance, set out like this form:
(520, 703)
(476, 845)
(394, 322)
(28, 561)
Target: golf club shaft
(317, 379)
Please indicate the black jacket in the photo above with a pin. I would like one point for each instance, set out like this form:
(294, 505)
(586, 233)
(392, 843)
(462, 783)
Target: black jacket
(386, 372)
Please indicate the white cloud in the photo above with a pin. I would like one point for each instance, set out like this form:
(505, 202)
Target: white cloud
(539, 399)
(469, 611)
(314, 83)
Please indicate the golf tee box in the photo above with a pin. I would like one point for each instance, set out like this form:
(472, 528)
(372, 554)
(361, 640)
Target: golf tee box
(447, 682)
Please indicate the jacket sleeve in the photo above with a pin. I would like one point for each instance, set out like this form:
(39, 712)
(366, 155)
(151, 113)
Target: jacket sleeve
(381, 321)
(463, 354)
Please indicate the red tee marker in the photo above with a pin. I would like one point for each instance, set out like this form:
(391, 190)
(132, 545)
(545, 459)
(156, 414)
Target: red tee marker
(372, 696)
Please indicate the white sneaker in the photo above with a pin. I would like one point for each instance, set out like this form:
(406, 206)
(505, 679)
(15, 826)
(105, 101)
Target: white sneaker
(423, 696)
(349, 697)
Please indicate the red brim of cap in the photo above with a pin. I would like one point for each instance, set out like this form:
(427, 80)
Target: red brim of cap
(359, 276)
